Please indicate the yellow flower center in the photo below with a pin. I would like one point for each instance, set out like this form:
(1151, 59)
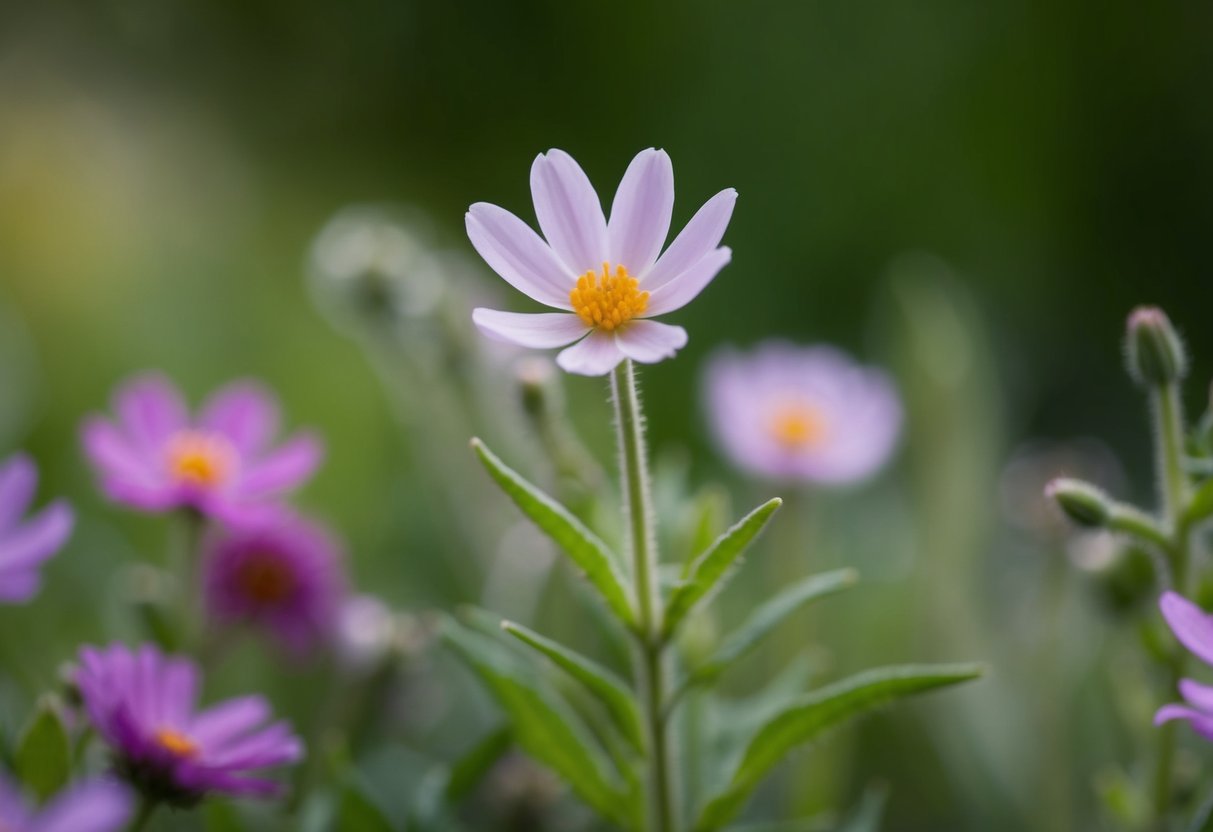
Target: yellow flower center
(265, 579)
(200, 458)
(176, 743)
(797, 426)
(608, 301)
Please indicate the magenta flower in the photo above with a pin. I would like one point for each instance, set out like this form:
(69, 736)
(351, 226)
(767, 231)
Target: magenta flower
(96, 805)
(26, 545)
(1193, 627)
(284, 574)
(802, 413)
(155, 457)
(607, 278)
(142, 704)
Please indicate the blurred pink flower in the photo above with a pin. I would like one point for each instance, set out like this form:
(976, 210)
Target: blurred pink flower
(94, 805)
(26, 544)
(802, 413)
(608, 278)
(284, 574)
(155, 457)
(1193, 627)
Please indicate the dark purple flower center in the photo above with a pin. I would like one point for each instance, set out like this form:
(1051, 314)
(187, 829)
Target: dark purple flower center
(265, 578)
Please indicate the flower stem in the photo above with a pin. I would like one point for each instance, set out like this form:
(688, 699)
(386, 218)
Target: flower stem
(638, 507)
(1174, 491)
(146, 809)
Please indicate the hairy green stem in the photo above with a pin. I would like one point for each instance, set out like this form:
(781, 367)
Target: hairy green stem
(1174, 491)
(650, 644)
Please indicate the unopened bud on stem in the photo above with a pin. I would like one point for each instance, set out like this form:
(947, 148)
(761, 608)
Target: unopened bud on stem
(1154, 353)
(1082, 502)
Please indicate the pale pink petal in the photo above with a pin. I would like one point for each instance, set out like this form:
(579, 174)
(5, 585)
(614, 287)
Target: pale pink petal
(542, 330)
(569, 212)
(244, 412)
(650, 341)
(1197, 694)
(517, 253)
(285, 468)
(150, 409)
(1191, 625)
(640, 214)
(700, 236)
(18, 479)
(595, 355)
(686, 287)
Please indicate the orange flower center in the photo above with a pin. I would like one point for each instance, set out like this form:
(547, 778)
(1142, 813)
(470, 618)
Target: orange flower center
(606, 300)
(265, 579)
(200, 458)
(176, 743)
(797, 426)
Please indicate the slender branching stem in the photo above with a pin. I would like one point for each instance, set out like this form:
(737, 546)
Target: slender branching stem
(650, 644)
(1174, 493)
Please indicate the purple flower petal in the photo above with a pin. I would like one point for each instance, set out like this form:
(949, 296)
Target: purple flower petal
(284, 469)
(683, 289)
(37, 539)
(517, 253)
(650, 341)
(698, 239)
(1190, 624)
(1201, 723)
(541, 330)
(150, 409)
(640, 214)
(569, 212)
(97, 805)
(1201, 696)
(595, 355)
(18, 480)
(219, 725)
(244, 412)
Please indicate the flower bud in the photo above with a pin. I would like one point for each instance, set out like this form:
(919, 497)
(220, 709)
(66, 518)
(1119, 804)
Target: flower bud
(1082, 502)
(1154, 352)
(538, 387)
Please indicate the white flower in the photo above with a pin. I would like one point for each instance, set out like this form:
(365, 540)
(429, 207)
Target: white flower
(608, 278)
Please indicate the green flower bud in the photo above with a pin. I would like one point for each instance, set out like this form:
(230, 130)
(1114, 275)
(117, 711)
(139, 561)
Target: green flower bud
(1154, 353)
(1082, 502)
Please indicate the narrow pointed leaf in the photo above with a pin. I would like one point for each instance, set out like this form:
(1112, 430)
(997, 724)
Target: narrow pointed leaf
(581, 545)
(769, 615)
(543, 725)
(44, 755)
(807, 717)
(599, 682)
(709, 572)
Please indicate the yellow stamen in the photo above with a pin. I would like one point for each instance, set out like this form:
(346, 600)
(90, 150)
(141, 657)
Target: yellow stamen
(608, 301)
(176, 743)
(201, 459)
(798, 426)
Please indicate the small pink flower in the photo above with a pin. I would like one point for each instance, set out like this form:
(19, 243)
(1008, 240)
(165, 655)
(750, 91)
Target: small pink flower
(25, 544)
(155, 457)
(802, 413)
(607, 278)
(283, 574)
(1193, 628)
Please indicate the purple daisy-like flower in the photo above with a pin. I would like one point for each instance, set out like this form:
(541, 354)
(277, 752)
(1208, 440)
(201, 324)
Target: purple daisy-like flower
(1193, 627)
(96, 805)
(26, 544)
(285, 574)
(156, 457)
(808, 414)
(143, 704)
(608, 278)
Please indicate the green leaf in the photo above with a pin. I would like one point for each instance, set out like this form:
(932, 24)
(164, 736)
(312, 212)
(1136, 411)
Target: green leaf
(601, 683)
(769, 615)
(44, 754)
(543, 725)
(1201, 506)
(805, 718)
(356, 810)
(582, 546)
(869, 812)
(471, 768)
(221, 816)
(708, 573)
